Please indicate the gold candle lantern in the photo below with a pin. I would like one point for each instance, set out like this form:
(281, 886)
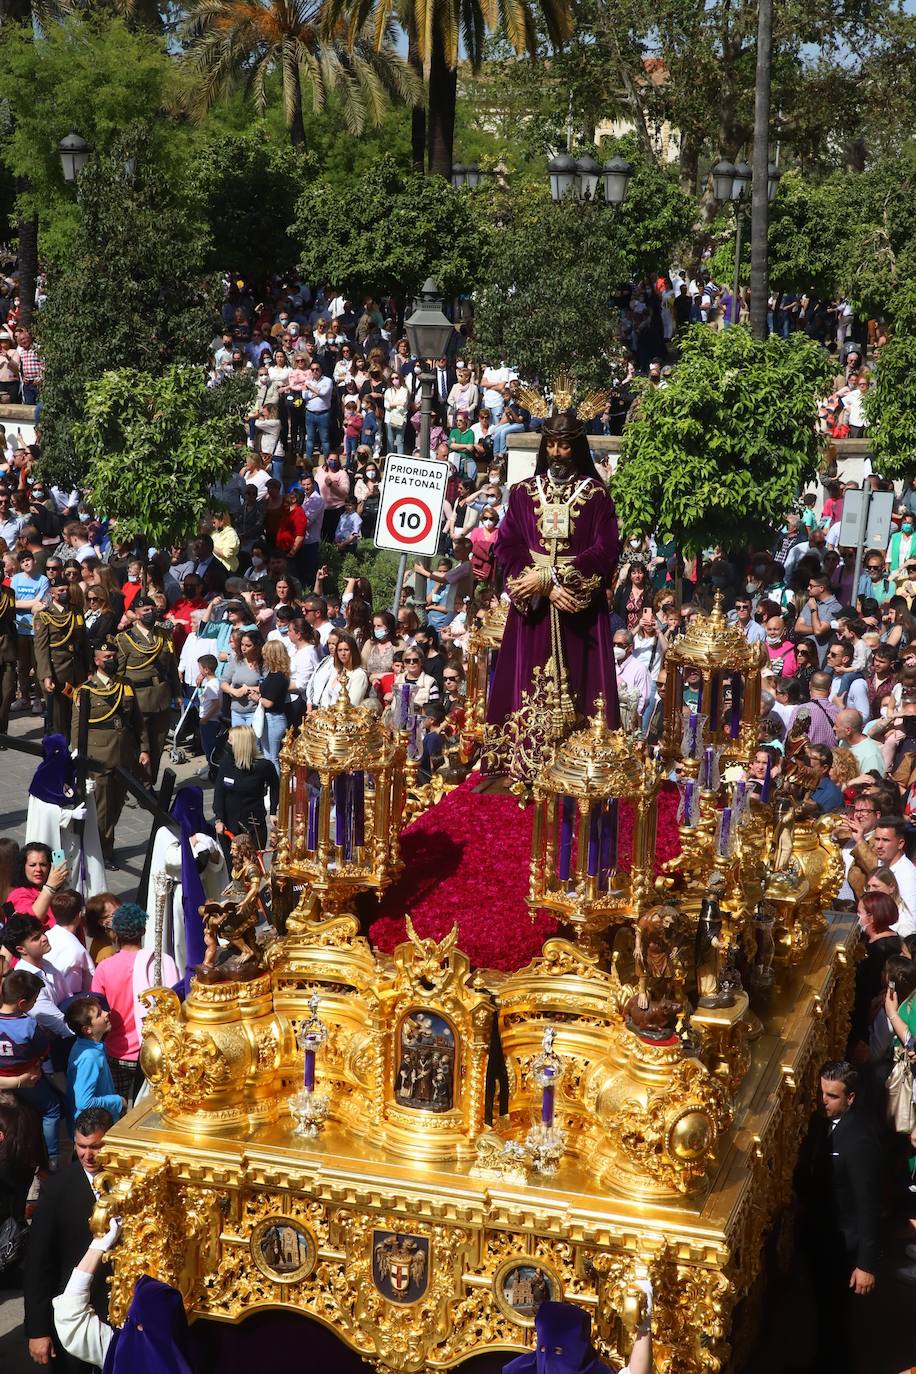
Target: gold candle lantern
(341, 807)
(483, 646)
(714, 659)
(575, 859)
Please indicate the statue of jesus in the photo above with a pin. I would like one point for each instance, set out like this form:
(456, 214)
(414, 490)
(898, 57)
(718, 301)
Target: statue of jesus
(557, 546)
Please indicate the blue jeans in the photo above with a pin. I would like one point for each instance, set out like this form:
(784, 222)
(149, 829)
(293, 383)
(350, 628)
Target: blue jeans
(395, 438)
(501, 433)
(276, 467)
(272, 738)
(317, 421)
(209, 731)
(240, 717)
(46, 1101)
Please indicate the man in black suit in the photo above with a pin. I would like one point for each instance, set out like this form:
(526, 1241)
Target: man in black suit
(207, 566)
(58, 1238)
(446, 377)
(839, 1184)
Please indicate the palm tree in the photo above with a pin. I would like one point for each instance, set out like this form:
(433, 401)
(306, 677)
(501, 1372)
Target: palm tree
(240, 42)
(435, 30)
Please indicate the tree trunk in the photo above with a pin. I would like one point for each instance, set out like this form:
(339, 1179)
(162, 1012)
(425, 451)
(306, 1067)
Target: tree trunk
(440, 131)
(295, 125)
(760, 283)
(28, 267)
(689, 164)
(418, 113)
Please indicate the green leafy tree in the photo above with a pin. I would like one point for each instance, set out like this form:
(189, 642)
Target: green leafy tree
(889, 406)
(132, 293)
(436, 33)
(545, 304)
(248, 184)
(717, 455)
(149, 453)
(96, 75)
(389, 230)
(239, 44)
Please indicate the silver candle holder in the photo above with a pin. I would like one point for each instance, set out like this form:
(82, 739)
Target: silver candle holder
(545, 1140)
(308, 1108)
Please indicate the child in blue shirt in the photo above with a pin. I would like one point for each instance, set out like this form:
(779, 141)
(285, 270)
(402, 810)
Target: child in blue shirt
(23, 1046)
(89, 1080)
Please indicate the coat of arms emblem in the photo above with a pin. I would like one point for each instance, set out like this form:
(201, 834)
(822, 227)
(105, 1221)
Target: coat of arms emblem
(400, 1265)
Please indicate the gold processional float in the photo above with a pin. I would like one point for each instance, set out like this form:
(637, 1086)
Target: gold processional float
(316, 1135)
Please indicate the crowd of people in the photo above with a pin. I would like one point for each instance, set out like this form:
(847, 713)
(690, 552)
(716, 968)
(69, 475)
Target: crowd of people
(221, 643)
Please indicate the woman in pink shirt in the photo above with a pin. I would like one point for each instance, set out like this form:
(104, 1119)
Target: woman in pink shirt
(122, 979)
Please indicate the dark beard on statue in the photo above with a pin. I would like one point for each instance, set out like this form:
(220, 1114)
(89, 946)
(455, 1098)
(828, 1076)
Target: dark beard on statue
(560, 473)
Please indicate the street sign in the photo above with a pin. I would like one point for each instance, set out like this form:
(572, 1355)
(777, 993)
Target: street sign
(866, 519)
(410, 508)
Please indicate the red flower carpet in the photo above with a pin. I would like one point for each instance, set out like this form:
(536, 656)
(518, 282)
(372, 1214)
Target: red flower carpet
(466, 860)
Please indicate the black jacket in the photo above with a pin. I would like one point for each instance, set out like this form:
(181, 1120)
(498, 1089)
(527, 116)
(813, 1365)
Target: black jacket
(238, 796)
(839, 1181)
(58, 1238)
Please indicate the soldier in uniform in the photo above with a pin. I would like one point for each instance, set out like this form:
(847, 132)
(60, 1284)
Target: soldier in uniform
(61, 656)
(107, 710)
(147, 660)
(8, 655)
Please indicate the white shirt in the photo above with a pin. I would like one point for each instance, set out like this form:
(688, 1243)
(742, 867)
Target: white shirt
(905, 873)
(632, 674)
(319, 394)
(302, 664)
(72, 960)
(80, 1330)
(208, 699)
(495, 376)
(258, 479)
(45, 1010)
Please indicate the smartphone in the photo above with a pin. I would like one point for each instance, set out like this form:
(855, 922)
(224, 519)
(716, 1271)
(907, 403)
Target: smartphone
(58, 857)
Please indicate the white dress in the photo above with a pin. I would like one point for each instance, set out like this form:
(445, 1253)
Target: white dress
(167, 860)
(56, 826)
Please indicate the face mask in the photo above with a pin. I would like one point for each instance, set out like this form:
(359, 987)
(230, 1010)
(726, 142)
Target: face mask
(371, 476)
(773, 639)
(908, 527)
(635, 543)
(333, 464)
(620, 652)
(133, 577)
(85, 517)
(380, 632)
(489, 524)
(63, 598)
(283, 629)
(109, 665)
(257, 560)
(148, 618)
(752, 586)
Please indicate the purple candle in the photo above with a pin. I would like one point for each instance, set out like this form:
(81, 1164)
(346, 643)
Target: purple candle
(709, 757)
(740, 797)
(767, 781)
(608, 860)
(734, 726)
(309, 1078)
(689, 788)
(404, 706)
(358, 793)
(725, 828)
(547, 1100)
(594, 841)
(312, 837)
(567, 817)
(692, 725)
(342, 812)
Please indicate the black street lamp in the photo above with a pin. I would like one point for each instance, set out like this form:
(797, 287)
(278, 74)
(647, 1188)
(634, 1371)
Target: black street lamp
(616, 177)
(564, 174)
(74, 153)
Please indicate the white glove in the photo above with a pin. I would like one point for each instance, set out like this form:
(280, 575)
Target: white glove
(110, 1238)
(75, 813)
(90, 786)
(74, 753)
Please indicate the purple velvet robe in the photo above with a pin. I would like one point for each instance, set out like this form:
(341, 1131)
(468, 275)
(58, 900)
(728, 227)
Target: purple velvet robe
(588, 644)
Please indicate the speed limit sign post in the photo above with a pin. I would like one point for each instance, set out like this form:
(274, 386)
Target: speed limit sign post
(410, 509)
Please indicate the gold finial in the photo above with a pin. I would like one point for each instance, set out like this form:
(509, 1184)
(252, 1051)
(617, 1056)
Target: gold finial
(717, 618)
